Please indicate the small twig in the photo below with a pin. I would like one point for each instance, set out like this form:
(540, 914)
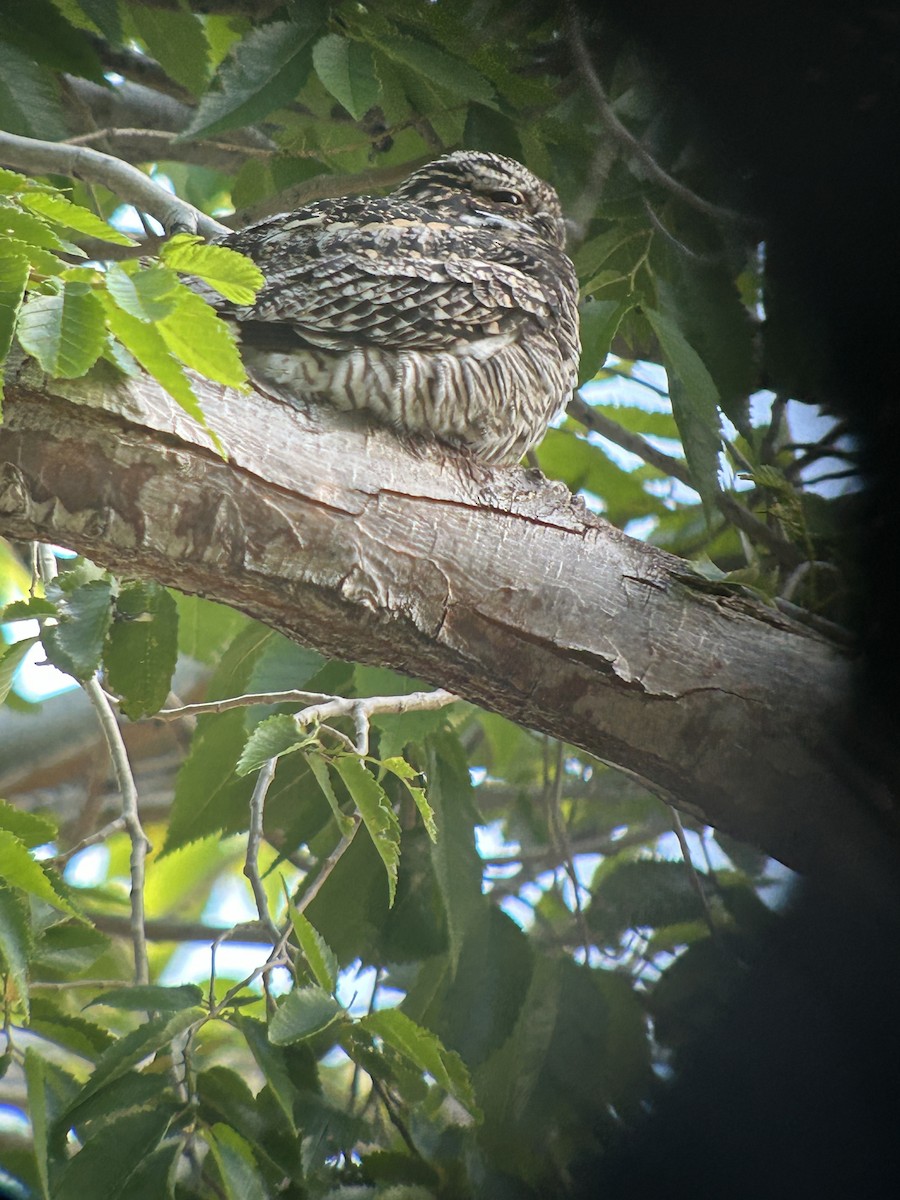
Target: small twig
(127, 182)
(93, 839)
(254, 842)
(692, 872)
(62, 985)
(623, 135)
(561, 838)
(393, 1116)
(328, 865)
(165, 138)
(132, 821)
(127, 788)
(220, 706)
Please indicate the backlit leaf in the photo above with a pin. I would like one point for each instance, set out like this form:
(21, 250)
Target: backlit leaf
(64, 330)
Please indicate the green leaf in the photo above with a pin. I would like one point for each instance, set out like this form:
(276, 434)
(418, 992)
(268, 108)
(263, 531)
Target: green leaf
(38, 28)
(144, 292)
(27, 610)
(264, 71)
(148, 347)
(36, 1082)
(19, 869)
(272, 738)
(134, 1047)
(436, 66)
(320, 769)
(69, 948)
(457, 865)
(600, 319)
(12, 181)
(272, 1061)
(104, 14)
(142, 648)
(10, 660)
(207, 794)
(233, 275)
(177, 41)
(75, 644)
(237, 1165)
(151, 998)
(104, 1165)
(63, 212)
(694, 404)
(643, 893)
(26, 227)
(402, 769)
(198, 337)
(424, 1049)
(15, 938)
(76, 1034)
(14, 270)
(29, 97)
(33, 829)
(346, 69)
(375, 809)
(204, 627)
(302, 1013)
(63, 330)
(321, 958)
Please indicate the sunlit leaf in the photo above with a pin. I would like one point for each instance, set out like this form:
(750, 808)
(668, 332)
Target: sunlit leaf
(63, 212)
(231, 274)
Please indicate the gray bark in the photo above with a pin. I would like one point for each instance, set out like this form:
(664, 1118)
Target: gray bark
(495, 584)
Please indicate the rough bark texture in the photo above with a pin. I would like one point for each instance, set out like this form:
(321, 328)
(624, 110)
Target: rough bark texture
(495, 584)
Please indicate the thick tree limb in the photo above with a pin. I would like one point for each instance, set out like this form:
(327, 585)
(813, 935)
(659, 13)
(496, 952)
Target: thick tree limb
(496, 585)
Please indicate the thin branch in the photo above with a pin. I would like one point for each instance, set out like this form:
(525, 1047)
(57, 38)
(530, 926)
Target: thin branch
(131, 817)
(164, 143)
(328, 865)
(220, 706)
(692, 872)
(128, 790)
(183, 931)
(127, 182)
(254, 842)
(785, 552)
(561, 837)
(624, 136)
(93, 839)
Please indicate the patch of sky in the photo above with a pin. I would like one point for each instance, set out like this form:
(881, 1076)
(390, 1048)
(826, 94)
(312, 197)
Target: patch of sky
(88, 867)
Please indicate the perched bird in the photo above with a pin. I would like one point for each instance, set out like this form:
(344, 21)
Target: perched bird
(447, 308)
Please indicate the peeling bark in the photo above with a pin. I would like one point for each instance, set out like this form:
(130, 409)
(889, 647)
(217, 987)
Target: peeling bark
(495, 584)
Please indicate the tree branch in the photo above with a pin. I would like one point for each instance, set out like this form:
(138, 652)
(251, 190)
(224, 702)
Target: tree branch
(132, 185)
(502, 588)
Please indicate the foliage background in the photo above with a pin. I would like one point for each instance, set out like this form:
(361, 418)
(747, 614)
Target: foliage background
(548, 959)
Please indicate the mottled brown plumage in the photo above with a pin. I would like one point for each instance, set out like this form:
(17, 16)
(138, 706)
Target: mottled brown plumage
(446, 308)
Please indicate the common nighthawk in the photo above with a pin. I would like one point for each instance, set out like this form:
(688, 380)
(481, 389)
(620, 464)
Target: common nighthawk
(446, 308)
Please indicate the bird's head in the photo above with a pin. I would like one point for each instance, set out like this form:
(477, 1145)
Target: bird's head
(480, 188)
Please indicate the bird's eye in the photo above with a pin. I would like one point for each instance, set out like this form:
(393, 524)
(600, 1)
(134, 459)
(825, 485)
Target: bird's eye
(505, 197)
